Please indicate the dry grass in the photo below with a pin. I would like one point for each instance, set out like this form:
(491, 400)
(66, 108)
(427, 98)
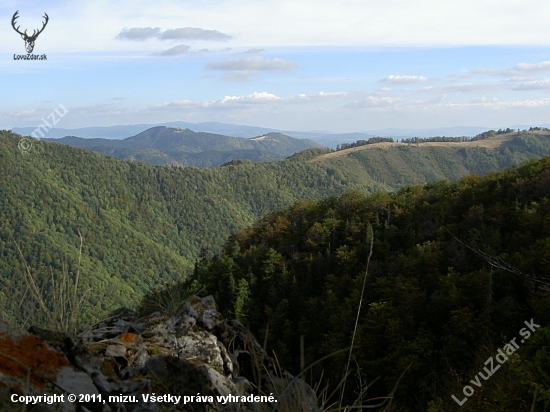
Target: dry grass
(57, 306)
(491, 143)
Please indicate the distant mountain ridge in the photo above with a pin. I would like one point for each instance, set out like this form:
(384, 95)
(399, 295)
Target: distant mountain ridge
(124, 131)
(330, 139)
(326, 138)
(183, 147)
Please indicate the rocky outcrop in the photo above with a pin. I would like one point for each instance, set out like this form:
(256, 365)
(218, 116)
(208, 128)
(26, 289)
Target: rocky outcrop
(193, 361)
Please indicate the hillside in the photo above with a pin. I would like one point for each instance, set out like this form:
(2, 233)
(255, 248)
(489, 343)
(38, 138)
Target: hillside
(183, 147)
(144, 225)
(491, 143)
(402, 163)
(457, 271)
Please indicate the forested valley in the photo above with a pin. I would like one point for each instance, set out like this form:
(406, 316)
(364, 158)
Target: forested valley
(456, 270)
(460, 255)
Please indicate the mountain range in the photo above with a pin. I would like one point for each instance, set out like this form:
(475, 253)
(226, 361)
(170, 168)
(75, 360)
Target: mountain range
(286, 243)
(183, 147)
(144, 225)
(329, 139)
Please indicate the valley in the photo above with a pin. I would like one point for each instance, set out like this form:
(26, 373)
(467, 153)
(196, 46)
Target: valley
(281, 240)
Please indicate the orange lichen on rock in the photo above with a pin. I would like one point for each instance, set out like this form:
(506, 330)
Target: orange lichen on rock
(128, 337)
(29, 353)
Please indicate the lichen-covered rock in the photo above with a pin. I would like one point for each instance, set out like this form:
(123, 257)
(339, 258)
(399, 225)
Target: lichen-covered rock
(125, 357)
(32, 366)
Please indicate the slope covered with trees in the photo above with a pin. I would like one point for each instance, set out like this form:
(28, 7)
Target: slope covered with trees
(456, 271)
(144, 225)
(141, 225)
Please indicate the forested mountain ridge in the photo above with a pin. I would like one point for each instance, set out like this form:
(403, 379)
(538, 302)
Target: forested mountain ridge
(183, 147)
(143, 225)
(409, 163)
(388, 164)
(449, 283)
(490, 143)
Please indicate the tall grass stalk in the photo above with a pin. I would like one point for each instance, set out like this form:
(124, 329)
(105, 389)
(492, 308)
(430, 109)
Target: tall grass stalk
(371, 234)
(59, 308)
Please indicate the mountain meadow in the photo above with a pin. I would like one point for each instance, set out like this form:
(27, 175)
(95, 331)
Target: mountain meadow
(445, 253)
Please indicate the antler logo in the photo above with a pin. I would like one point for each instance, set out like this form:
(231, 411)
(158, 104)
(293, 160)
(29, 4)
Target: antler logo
(29, 40)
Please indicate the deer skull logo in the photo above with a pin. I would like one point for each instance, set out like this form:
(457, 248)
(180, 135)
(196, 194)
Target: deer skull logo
(29, 40)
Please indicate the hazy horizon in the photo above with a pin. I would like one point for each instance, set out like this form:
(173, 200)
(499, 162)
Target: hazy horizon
(301, 65)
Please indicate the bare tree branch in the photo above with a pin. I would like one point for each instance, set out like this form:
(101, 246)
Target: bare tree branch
(498, 263)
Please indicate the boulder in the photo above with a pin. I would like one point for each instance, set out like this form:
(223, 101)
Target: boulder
(203, 361)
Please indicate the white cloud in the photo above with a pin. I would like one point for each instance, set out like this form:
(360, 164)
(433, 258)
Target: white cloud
(227, 101)
(264, 101)
(519, 70)
(498, 104)
(532, 67)
(319, 96)
(138, 33)
(463, 88)
(182, 33)
(243, 69)
(254, 99)
(266, 97)
(392, 78)
(254, 51)
(252, 63)
(540, 84)
(482, 99)
(193, 33)
(336, 111)
(239, 76)
(100, 108)
(266, 23)
(178, 103)
(174, 51)
(32, 113)
(374, 102)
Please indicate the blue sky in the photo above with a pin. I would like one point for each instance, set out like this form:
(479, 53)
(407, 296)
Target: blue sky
(351, 65)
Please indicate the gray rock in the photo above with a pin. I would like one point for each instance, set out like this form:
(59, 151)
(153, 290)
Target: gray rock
(141, 357)
(196, 351)
(75, 382)
(115, 350)
(188, 378)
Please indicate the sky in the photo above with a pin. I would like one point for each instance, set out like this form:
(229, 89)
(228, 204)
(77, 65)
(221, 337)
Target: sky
(303, 65)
